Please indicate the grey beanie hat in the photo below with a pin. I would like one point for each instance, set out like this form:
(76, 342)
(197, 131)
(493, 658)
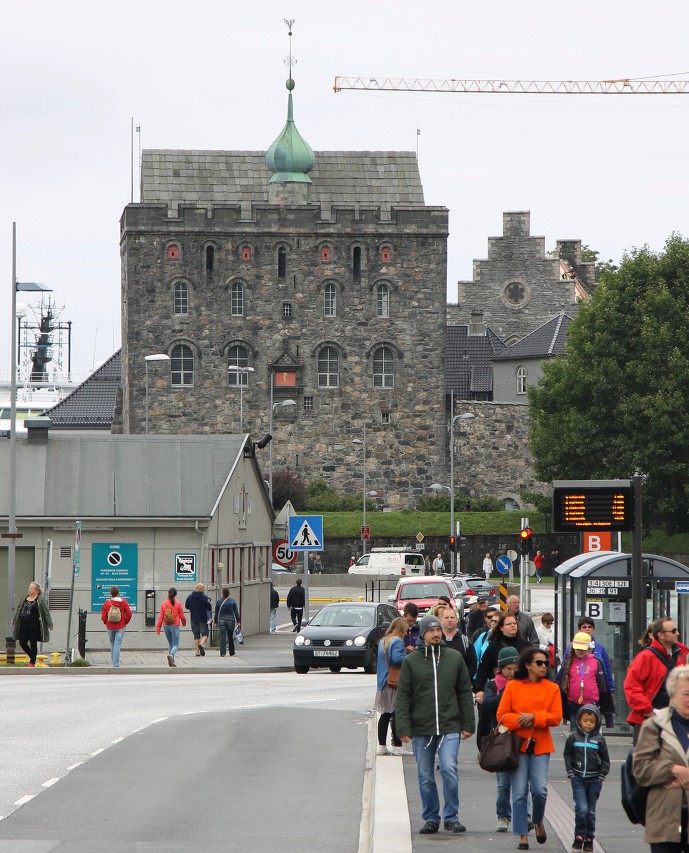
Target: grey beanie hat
(507, 655)
(428, 621)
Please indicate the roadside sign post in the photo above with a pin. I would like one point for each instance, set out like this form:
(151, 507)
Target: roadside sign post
(306, 534)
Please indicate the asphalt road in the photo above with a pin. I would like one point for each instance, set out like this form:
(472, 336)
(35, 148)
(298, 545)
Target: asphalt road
(60, 731)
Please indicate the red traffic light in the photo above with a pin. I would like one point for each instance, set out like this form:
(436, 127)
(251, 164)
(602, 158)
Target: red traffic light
(452, 541)
(525, 533)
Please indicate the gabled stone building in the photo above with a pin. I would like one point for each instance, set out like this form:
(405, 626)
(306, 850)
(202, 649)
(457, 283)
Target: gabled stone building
(315, 278)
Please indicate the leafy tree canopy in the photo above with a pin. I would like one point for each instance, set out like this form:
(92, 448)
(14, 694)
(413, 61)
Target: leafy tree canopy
(618, 401)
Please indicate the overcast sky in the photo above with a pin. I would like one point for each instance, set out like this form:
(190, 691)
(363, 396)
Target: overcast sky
(210, 75)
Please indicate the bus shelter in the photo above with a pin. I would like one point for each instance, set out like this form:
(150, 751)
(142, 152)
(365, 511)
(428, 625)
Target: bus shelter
(599, 585)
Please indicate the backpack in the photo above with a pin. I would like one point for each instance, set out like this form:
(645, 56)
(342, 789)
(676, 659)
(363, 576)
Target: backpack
(169, 615)
(634, 796)
(115, 613)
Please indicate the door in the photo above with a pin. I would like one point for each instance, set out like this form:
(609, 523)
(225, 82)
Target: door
(24, 574)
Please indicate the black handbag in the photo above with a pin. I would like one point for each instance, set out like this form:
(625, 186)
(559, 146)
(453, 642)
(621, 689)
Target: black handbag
(634, 796)
(500, 751)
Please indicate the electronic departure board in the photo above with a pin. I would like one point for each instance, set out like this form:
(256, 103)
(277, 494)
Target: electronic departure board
(592, 505)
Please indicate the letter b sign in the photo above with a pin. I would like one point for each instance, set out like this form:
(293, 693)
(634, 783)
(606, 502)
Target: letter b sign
(597, 542)
(594, 609)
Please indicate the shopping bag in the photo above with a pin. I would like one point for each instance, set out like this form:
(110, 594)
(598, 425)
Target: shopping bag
(500, 751)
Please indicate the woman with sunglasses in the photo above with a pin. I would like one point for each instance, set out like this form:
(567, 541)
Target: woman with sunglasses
(530, 707)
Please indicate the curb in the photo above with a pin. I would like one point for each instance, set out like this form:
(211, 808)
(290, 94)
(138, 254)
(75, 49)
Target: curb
(139, 670)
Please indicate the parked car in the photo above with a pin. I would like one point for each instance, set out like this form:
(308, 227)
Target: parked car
(424, 592)
(382, 562)
(343, 634)
(469, 585)
(277, 569)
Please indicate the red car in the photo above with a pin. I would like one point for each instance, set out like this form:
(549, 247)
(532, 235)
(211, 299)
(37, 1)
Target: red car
(424, 592)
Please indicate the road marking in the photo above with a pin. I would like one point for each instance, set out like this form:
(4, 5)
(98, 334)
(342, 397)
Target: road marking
(25, 799)
(159, 720)
(117, 740)
(74, 766)
(50, 782)
(97, 751)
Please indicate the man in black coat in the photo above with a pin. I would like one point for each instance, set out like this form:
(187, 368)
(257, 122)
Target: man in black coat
(296, 600)
(274, 604)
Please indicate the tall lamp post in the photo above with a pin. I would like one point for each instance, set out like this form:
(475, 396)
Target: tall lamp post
(158, 356)
(358, 441)
(282, 404)
(12, 534)
(240, 372)
(466, 416)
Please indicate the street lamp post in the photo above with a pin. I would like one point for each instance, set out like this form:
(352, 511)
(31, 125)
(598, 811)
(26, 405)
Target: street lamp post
(158, 356)
(12, 535)
(366, 494)
(273, 406)
(241, 370)
(466, 416)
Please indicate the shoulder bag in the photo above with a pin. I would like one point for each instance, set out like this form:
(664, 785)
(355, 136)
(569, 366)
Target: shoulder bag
(393, 673)
(500, 751)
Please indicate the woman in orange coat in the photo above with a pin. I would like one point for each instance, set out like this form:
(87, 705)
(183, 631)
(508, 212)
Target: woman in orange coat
(529, 707)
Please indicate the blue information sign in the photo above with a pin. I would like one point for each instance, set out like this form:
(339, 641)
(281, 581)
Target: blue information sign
(306, 533)
(114, 565)
(503, 564)
(682, 587)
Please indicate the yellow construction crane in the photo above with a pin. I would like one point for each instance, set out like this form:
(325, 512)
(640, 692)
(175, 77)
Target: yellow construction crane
(646, 86)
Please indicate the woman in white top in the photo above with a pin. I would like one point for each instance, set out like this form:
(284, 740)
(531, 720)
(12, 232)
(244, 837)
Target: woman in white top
(487, 566)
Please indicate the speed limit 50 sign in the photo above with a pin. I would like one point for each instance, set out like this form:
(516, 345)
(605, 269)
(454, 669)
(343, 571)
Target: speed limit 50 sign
(282, 553)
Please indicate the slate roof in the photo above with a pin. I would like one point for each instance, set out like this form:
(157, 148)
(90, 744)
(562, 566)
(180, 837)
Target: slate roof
(468, 370)
(92, 404)
(544, 342)
(97, 475)
(345, 178)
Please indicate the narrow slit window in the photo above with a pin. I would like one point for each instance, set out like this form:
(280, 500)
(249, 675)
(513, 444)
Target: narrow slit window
(237, 300)
(356, 263)
(210, 260)
(330, 301)
(282, 262)
(383, 301)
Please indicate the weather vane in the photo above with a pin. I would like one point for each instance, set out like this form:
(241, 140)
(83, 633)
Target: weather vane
(290, 61)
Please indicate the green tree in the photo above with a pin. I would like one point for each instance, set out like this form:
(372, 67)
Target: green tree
(618, 401)
(287, 486)
(588, 254)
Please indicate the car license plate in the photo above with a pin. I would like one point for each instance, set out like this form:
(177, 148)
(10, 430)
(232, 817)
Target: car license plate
(326, 653)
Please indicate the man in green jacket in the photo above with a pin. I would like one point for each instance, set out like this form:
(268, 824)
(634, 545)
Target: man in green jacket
(434, 708)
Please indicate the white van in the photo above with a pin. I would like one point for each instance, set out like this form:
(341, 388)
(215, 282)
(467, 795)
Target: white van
(386, 562)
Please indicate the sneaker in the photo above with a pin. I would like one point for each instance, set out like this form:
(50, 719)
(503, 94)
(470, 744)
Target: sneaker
(577, 844)
(32, 665)
(503, 824)
(454, 826)
(202, 651)
(588, 845)
(382, 750)
(428, 828)
(171, 662)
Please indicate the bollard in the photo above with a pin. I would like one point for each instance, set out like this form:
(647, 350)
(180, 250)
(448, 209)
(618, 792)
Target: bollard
(81, 637)
(10, 647)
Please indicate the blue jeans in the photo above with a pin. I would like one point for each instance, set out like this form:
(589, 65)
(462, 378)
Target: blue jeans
(172, 634)
(532, 773)
(447, 748)
(273, 619)
(116, 635)
(585, 793)
(226, 635)
(503, 807)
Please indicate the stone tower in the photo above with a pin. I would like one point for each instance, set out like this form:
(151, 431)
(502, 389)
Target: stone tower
(315, 278)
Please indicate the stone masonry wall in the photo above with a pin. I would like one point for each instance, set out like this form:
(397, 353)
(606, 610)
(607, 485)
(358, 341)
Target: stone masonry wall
(406, 424)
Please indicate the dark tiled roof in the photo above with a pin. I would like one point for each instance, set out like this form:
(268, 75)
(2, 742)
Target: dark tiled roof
(382, 178)
(92, 404)
(545, 341)
(468, 370)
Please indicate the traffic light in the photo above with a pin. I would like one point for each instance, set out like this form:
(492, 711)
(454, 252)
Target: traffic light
(452, 542)
(525, 541)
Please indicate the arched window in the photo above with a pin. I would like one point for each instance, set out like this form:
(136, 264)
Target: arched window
(173, 252)
(325, 253)
(181, 298)
(328, 368)
(356, 263)
(182, 365)
(383, 368)
(237, 300)
(383, 300)
(330, 300)
(246, 253)
(237, 357)
(282, 262)
(385, 254)
(521, 380)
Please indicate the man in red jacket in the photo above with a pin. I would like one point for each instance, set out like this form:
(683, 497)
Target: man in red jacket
(644, 686)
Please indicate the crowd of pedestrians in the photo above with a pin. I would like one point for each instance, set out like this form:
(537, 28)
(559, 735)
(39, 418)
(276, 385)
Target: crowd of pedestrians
(497, 671)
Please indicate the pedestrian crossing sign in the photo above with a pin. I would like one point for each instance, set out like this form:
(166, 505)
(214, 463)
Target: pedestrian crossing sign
(306, 533)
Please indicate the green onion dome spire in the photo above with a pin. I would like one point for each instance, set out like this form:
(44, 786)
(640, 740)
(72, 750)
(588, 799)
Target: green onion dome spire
(290, 157)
